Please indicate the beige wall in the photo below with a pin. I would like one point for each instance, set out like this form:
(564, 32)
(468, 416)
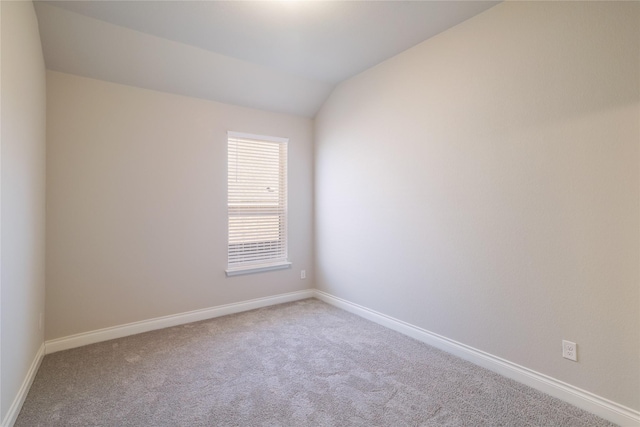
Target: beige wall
(136, 204)
(23, 197)
(483, 185)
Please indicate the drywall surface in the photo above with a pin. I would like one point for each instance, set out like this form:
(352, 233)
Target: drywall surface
(136, 204)
(22, 266)
(483, 185)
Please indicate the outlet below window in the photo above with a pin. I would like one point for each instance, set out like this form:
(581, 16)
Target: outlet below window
(570, 350)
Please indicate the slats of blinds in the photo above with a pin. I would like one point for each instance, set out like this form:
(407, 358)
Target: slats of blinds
(257, 201)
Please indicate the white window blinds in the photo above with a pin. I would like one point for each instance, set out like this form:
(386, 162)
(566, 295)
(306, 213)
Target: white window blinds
(257, 202)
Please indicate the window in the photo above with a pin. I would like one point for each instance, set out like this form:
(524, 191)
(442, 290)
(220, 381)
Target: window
(256, 203)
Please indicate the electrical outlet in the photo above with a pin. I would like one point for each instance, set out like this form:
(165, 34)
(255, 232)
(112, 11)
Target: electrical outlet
(569, 350)
(303, 274)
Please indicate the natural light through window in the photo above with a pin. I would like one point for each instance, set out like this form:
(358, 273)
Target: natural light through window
(256, 203)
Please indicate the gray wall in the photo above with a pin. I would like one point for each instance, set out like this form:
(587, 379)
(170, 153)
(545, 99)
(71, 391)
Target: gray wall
(484, 185)
(22, 218)
(136, 204)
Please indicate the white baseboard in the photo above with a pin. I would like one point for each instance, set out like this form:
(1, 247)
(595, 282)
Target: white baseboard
(583, 399)
(120, 331)
(15, 407)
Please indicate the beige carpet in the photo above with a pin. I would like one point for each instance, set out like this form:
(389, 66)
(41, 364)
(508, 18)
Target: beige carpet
(298, 364)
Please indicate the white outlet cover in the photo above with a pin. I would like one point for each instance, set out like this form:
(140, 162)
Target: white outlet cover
(570, 350)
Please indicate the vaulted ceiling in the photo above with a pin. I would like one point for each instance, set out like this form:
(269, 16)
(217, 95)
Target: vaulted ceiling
(284, 56)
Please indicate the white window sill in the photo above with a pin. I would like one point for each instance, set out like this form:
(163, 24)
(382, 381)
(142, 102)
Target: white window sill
(257, 268)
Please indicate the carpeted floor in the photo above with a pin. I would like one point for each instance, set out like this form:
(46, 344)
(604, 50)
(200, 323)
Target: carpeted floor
(298, 364)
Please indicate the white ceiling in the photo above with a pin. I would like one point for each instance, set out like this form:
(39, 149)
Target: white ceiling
(283, 56)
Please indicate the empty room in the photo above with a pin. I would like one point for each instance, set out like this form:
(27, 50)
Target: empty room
(319, 213)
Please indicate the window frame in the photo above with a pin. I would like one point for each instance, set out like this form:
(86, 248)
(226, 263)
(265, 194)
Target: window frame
(263, 266)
